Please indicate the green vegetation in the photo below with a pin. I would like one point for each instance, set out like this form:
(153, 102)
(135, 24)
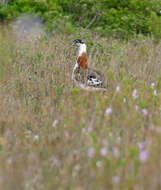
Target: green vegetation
(119, 18)
(56, 136)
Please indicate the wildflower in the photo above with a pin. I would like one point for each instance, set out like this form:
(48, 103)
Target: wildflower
(99, 164)
(117, 88)
(141, 145)
(108, 111)
(103, 151)
(135, 94)
(36, 137)
(116, 179)
(77, 167)
(152, 85)
(144, 111)
(143, 155)
(91, 152)
(136, 107)
(124, 100)
(116, 152)
(55, 122)
(104, 142)
(155, 92)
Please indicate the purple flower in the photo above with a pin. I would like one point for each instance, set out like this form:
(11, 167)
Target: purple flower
(91, 152)
(143, 155)
(103, 151)
(108, 111)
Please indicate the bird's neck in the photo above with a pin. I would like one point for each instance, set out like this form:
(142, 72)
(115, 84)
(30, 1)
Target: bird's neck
(81, 49)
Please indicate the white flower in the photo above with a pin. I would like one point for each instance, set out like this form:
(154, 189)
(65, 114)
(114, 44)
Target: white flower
(55, 122)
(155, 92)
(144, 111)
(36, 137)
(152, 85)
(135, 94)
(124, 100)
(117, 88)
(108, 111)
(99, 164)
(77, 167)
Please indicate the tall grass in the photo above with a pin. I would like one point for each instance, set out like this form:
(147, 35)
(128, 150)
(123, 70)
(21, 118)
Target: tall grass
(56, 136)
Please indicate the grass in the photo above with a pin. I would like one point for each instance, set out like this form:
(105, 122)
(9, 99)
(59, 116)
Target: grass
(56, 136)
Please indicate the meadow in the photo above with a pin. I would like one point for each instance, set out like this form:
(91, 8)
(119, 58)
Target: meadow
(54, 135)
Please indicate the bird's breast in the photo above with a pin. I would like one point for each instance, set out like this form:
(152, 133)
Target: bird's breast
(82, 61)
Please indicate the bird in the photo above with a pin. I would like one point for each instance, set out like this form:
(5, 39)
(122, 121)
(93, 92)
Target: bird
(83, 76)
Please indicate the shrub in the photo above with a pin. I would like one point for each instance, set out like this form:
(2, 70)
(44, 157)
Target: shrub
(120, 18)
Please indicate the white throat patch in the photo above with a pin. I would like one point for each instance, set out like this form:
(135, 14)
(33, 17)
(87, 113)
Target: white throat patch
(81, 49)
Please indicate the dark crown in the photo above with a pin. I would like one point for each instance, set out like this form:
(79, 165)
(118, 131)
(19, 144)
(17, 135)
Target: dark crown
(78, 41)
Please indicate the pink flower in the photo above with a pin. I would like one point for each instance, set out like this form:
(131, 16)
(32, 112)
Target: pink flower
(136, 107)
(104, 142)
(116, 152)
(116, 179)
(141, 145)
(103, 151)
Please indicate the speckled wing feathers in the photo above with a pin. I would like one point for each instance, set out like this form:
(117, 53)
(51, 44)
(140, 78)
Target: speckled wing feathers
(90, 77)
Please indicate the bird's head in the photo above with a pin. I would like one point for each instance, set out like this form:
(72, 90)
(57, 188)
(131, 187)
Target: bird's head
(78, 42)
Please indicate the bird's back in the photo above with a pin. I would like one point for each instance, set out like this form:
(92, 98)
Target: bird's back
(90, 77)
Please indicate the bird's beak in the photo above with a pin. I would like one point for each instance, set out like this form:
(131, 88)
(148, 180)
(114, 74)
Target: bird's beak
(73, 43)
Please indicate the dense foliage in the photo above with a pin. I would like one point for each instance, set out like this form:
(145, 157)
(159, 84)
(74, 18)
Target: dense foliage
(110, 17)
